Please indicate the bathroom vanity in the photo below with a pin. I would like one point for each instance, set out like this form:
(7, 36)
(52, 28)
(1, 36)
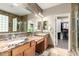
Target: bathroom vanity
(27, 47)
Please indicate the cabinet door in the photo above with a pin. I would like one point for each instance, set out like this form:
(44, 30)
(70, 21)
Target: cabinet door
(30, 51)
(19, 54)
(46, 43)
(17, 51)
(33, 43)
(40, 47)
(6, 53)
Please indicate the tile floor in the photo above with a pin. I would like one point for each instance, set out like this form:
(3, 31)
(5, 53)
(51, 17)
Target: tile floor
(63, 44)
(60, 50)
(57, 52)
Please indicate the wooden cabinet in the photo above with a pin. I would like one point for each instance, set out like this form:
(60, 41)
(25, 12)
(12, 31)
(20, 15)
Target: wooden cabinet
(39, 41)
(18, 54)
(30, 51)
(40, 46)
(45, 43)
(18, 51)
(27, 49)
(6, 53)
(33, 43)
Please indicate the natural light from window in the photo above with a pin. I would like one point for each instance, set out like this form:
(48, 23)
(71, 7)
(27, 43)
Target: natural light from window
(3, 23)
(14, 24)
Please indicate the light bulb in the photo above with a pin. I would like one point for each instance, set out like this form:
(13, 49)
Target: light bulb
(15, 4)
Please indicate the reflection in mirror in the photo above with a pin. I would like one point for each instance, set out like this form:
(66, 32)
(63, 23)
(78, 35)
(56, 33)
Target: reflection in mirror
(14, 24)
(19, 25)
(31, 28)
(45, 25)
(8, 20)
(25, 26)
(39, 25)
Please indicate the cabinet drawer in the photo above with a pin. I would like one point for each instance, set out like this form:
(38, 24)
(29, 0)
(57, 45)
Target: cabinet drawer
(26, 46)
(41, 40)
(30, 51)
(19, 50)
(19, 54)
(6, 53)
(46, 43)
(33, 43)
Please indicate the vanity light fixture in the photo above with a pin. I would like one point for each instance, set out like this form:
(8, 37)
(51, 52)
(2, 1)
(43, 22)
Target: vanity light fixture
(41, 15)
(15, 4)
(36, 15)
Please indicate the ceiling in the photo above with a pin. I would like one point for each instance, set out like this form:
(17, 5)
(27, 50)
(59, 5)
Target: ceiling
(9, 7)
(14, 9)
(47, 5)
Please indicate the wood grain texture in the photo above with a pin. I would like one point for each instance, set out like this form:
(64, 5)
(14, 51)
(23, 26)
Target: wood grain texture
(6, 53)
(45, 43)
(19, 50)
(30, 51)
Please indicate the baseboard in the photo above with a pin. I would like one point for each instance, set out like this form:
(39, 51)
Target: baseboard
(50, 46)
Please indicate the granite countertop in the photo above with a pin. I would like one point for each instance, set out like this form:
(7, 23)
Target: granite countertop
(6, 45)
(36, 38)
(9, 44)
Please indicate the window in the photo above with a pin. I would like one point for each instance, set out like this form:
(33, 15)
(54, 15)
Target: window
(3, 23)
(45, 25)
(14, 24)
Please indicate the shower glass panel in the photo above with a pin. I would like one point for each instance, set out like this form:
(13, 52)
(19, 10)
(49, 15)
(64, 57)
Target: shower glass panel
(77, 21)
(78, 32)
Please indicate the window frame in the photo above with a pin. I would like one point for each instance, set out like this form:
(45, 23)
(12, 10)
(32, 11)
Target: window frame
(7, 23)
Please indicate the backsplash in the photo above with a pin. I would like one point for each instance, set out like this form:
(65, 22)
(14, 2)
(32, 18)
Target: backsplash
(7, 36)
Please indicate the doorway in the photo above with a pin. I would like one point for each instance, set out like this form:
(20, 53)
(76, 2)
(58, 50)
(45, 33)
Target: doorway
(62, 28)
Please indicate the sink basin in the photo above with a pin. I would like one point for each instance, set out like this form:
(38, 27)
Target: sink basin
(5, 45)
(41, 34)
(17, 40)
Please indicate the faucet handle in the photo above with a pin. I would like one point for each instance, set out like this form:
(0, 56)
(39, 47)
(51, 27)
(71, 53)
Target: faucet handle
(13, 36)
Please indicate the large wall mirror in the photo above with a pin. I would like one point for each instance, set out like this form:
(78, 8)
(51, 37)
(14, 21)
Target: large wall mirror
(42, 26)
(15, 24)
(39, 25)
(14, 20)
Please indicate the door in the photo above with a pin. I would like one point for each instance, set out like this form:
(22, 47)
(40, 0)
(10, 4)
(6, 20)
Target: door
(57, 29)
(61, 32)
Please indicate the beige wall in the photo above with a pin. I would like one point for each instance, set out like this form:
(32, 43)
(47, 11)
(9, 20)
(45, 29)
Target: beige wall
(51, 14)
(59, 9)
(34, 20)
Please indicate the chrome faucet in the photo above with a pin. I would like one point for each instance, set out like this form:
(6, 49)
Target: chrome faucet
(13, 36)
